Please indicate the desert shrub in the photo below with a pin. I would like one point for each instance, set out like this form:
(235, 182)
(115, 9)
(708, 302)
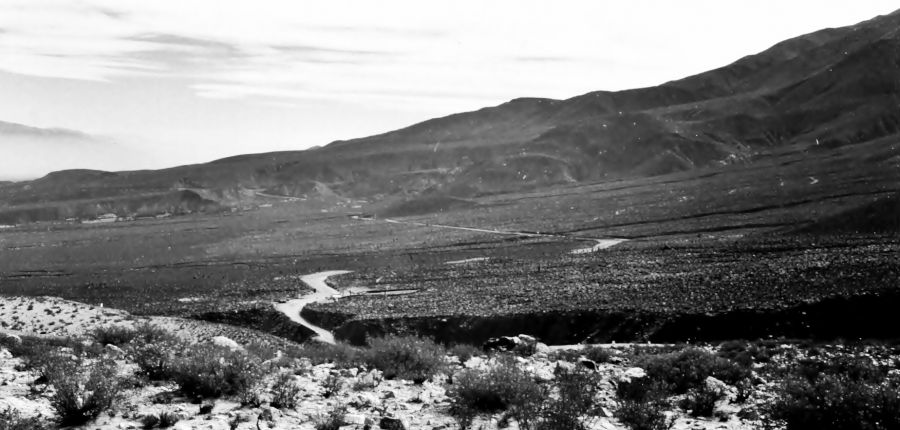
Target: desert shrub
(688, 368)
(643, 415)
(212, 371)
(503, 386)
(12, 419)
(576, 391)
(854, 368)
(161, 420)
(641, 390)
(744, 353)
(37, 352)
(149, 421)
(464, 351)
(155, 359)
(332, 385)
(333, 420)
(150, 334)
(843, 393)
(113, 335)
(168, 419)
(342, 355)
(701, 401)
(597, 354)
(82, 389)
(406, 357)
(285, 391)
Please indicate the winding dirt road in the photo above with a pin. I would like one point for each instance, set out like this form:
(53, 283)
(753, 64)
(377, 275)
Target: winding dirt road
(599, 243)
(323, 292)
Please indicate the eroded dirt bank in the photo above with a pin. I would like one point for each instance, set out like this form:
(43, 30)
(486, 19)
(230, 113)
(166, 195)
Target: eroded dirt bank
(862, 316)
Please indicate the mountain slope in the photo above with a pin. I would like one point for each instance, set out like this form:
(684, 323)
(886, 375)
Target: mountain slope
(831, 88)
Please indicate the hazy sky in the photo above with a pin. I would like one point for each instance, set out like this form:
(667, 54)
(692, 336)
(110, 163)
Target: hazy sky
(193, 80)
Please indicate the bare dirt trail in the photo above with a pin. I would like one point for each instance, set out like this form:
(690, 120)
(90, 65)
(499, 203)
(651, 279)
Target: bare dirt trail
(323, 292)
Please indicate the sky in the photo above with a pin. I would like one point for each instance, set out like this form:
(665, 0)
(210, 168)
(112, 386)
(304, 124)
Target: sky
(172, 82)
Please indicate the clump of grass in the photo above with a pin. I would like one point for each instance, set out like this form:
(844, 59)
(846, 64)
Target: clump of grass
(161, 420)
(12, 419)
(464, 351)
(82, 389)
(333, 420)
(406, 357)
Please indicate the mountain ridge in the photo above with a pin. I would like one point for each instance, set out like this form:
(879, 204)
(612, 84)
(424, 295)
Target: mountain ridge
(830, 88)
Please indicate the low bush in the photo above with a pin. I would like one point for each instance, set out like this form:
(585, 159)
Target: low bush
(168, 419)
(641, 390)
(37, 352)
(701, 401)
(12, 419)
(332, 385)
(842, 393)
(464, 351)
(333, 420)
(149, 421)
(151, 334)
(504, 386)
(744, 353)
(285, 391)
(406, 357)
(342, 355)
(576, 393)
(598, 354)
(161, 420)
(212, 371)
(155, 359)
(82, 389)
(644, 415)
(113, 335)
(689, 368)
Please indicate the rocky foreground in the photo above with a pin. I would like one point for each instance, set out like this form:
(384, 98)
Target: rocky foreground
(142, 376)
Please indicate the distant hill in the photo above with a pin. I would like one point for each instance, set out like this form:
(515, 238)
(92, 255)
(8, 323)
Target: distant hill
(831, 88)
(26, 151)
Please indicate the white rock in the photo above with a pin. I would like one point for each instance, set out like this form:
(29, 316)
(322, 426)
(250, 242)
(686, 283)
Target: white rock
(541, 348)
(227, 343)
(634, 373)
(474, 363)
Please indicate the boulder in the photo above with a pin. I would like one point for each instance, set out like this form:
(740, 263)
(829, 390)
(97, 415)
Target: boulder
(504, 343)
(588, 364)
(227, 343)
(10, 339)
(114, 351)
(522, 344)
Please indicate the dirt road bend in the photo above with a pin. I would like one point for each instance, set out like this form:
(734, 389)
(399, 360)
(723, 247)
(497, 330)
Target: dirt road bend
(323, 292)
